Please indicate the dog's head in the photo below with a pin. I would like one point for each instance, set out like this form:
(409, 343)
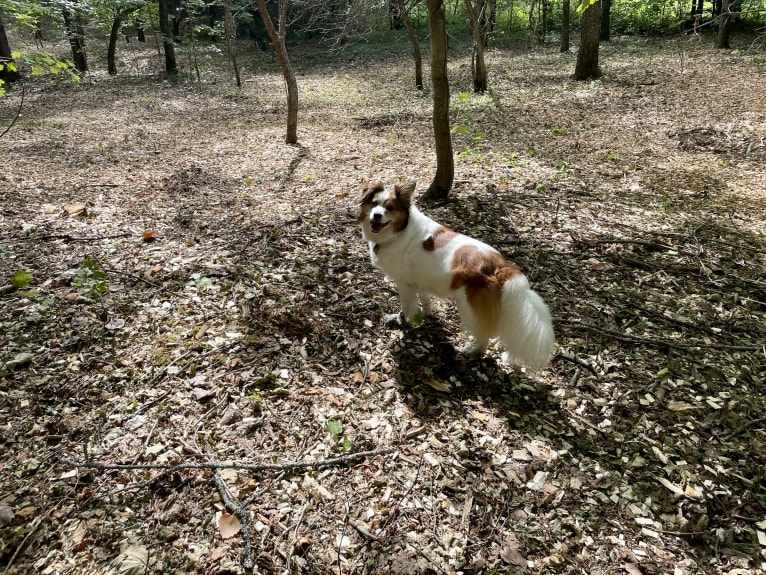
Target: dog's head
(384, 212)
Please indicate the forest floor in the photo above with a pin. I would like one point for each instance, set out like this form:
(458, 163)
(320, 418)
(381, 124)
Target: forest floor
(194, 371)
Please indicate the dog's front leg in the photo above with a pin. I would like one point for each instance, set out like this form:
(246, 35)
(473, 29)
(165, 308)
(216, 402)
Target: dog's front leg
(410, 308)
(425, 304)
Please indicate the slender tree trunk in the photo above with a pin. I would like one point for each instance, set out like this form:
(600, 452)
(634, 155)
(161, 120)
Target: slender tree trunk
(445, 162)
(229, 32)
(111, 65)
(113, 35)
(724, 26)
(395, 12)
(565, 26)
(606, 20)
(6, 74)
(76, 36)
(478, 65)
(278, 41)
(415, 44)
(171, 67)
(587, 56)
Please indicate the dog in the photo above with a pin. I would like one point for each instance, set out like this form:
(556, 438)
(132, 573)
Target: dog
(426, 259)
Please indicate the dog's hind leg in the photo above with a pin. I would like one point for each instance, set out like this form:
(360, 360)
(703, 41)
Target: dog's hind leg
(475, 326)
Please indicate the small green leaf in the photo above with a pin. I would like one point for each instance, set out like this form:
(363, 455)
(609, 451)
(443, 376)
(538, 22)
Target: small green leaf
(334, 427)
(21, 279)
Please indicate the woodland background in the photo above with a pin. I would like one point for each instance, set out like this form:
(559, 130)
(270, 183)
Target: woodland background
(194, 372)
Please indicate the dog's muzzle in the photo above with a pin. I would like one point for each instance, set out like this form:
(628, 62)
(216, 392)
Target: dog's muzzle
(376, 225)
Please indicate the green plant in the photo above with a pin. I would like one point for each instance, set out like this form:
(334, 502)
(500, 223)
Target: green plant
(92, 277)
(21, 279)
(335, 429)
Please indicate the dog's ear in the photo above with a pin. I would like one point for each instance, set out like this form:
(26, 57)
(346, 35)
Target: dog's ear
(404, 193)
(369, 189)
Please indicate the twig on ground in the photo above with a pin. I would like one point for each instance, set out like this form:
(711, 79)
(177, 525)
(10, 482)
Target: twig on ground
(658, 343)
(254, 467)
(744, 426)
(71, 238)
(30, 532)
(577, 361)
(248, 561)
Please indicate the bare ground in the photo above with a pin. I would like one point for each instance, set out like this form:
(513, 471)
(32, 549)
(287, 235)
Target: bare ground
(199, 303)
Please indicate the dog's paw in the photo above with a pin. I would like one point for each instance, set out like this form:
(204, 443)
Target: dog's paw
(394, 319)
(472, 351)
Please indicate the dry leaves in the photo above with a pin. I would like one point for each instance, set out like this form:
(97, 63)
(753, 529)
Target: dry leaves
(197, 287)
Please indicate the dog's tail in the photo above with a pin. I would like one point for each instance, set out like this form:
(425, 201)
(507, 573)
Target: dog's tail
(525, 326)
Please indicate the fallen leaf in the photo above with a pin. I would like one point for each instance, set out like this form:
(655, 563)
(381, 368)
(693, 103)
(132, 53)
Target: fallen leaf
(228, 525)
(538, 481)
(134, 560)
(21, 360)
(75, 210)
(511, 553)
(438, 385)
(27, 512)
(6, 514)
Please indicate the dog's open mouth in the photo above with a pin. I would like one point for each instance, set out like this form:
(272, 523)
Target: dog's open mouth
(376, 227)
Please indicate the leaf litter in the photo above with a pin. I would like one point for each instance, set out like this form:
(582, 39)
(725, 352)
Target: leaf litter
(199, 292)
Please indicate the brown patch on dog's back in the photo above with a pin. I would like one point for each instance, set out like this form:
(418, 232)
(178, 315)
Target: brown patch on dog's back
(440, 238)
(482, 274)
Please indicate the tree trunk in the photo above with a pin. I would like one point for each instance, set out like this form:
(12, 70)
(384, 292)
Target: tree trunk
(565, 16)
(478, 65)
(415, 44)
(445, 162)
(724, 26)
(7, 74)
(75, 35)
(167, 38)
(587, 56)
(606, 20)
(111, 65)
(113, 34)
(229, 32)
(395, 11)
(278, 41)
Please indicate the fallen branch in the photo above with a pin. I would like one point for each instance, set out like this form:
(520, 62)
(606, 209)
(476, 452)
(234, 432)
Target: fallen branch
(71, 238)
(658, 343)
(248, 561)
(213, 465)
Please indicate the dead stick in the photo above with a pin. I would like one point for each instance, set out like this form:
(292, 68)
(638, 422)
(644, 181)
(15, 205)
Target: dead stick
(288, 465)
(248, 562)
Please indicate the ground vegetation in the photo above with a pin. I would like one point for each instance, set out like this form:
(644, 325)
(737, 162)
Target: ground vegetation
(194, 372)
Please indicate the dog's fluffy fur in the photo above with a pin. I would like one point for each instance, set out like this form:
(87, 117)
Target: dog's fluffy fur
(424, 259)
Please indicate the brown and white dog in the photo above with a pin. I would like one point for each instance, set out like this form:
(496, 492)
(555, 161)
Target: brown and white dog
(424, 258)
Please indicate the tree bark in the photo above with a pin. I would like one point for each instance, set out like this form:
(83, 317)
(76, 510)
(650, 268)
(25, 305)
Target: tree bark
(6, 74)
(415, 44)
(606, 20)
(478, 65)
(565, 17)
(113, 34)
(587, 56)
(229, 32)
(167, 38)
(445, 162)
(278, 41)
(724, 26)
(75, 35)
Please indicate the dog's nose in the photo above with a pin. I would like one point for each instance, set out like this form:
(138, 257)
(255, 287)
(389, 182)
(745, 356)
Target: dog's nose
(376, 217)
